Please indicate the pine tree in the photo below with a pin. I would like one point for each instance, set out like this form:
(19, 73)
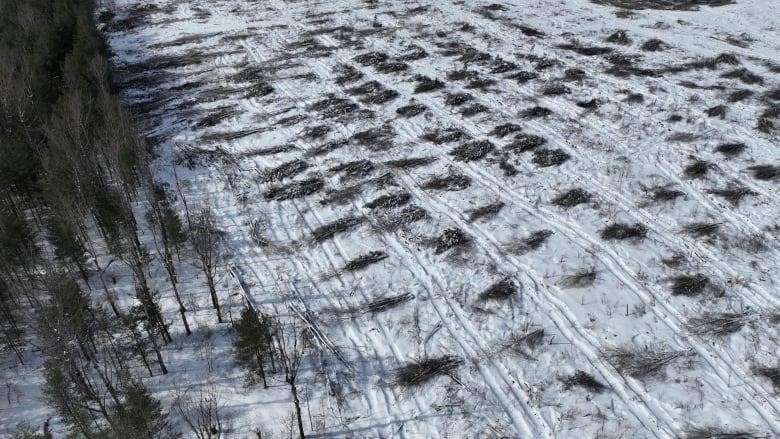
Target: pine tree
(142, 416)
(253, 346)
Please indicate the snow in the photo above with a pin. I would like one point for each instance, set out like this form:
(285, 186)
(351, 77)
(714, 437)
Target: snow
(616, 152)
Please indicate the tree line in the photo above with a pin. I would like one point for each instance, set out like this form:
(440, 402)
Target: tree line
(76, 195)
(74, 168)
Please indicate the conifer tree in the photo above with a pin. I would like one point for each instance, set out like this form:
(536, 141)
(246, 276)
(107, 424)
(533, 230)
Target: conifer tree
(252, 345)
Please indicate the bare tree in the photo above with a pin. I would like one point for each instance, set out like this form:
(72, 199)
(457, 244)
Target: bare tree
(291, 349)
(205, 238)
(167, 224)
(203, 413)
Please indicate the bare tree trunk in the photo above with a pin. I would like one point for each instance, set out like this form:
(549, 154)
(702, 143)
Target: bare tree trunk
(157, 351)
(213, 293)
(297, 407)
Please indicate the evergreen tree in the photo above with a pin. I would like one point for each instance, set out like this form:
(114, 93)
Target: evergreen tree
(253, 344)
(143, 416)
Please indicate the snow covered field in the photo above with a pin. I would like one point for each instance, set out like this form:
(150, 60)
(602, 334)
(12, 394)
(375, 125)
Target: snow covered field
(571, 208)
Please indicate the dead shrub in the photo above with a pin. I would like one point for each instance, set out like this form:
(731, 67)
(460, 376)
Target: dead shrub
(522, 77)
(485, 211)
(365, 260)
(635, 98)
(451, 182)
(285, 170)
(406, 216)
(227, 136)
(390, 201)
(545, 63)
(681, 137)
(508, 168)
(653, 45)
(585, 50)
(529, 31)
(663, 194)
(555, 90)
(770, 373)
(525, 142)
(501, 66)
(413, 53)
(370, 58)
(480, 84)
(699, 229)
(716, 111)
(545, 158)
(456, 99)
(619, 37)
(583, 379)
(501, 290)
(620, 231)
(473, 109)
(447, 135)
(713, 432)
(271, 150)
(765, 172)
(504, 130)
(347, 74)
(316, 132)
(535, 112)
(734, 193)
(328, 231)
(697, 169)
(765, 125)
(460, 75)
(386, 303)
(343, 195)
(353, 170)
(410, 163)
(573, 74)
(217, 116)
(392, 67)
(332, 106)
(731, 149)
(472, 55)
(296, 189)
(690, 284)
(326, 148)
(377, 138)
(472, 151)
(365, 88)
(739, 95)
(644, 362)
(426, 84)
(572, 197)
(718, 324)
(581, 279)
(420, 372)
(593, 103)
(744, 75)
(448, 239)
(411, 110)
(380, 97)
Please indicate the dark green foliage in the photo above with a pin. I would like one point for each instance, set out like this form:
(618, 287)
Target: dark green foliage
(65, 240)
(17, 247)
(253, 346)
(141, 416)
